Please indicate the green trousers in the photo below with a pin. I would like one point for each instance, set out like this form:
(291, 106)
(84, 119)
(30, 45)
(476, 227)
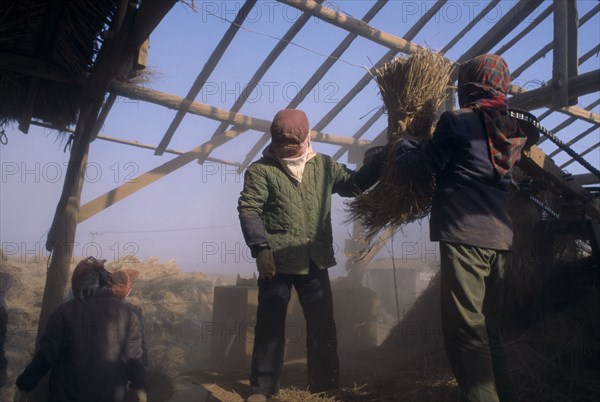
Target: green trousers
(471, 297)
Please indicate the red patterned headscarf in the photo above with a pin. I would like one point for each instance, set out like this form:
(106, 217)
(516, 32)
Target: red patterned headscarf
(123, 282)
(482, 85)
(90, 278)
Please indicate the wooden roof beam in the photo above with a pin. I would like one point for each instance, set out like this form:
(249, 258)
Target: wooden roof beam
(135, 144)
(574, 140)
(314, 80)
(569, 121)
(470, 25)
(353, 25)
(207, 70)
(589, 54)
(530, 27)
(359, 86)
(507, 23)
(202, 109)
(573, 111)
(560, 67)
(587, 151)
(366, 79)
(125, 190)
(363, 129)
(106, 107)
(583, 114)
(394, 42)
(153, 148)
(261, 71)
(546, 48)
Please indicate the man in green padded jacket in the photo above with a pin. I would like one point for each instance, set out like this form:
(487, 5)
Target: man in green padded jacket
(285, 214)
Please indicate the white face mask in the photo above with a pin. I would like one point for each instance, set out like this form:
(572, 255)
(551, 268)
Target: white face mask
(290, 150)
(295, 166)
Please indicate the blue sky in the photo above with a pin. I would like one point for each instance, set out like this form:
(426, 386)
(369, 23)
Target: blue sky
(190, 215)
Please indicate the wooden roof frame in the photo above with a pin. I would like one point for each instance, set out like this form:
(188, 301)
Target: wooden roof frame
(577, 85)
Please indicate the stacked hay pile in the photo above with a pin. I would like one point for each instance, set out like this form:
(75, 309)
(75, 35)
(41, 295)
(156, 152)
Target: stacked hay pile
(175, 305)
(412, 89)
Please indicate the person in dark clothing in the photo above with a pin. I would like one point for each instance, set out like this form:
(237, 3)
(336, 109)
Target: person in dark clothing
(285, 215)
(471, 156)
(122, 285)
(5, 281)
(92, 344)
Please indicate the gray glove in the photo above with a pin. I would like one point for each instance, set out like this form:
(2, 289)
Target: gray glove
(140, 396)
(265, 263)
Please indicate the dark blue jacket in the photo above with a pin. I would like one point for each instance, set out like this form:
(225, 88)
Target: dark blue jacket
(93, 349)
(470, 203)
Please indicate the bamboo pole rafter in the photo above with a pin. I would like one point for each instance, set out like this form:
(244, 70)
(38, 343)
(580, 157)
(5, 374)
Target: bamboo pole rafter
(207, 70)
(314, 80)
(260, 72)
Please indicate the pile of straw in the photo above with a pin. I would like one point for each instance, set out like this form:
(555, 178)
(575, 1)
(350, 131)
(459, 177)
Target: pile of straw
(412, 90)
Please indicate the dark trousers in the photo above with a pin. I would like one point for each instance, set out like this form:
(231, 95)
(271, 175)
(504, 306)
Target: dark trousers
(471, 298)
(314, 294)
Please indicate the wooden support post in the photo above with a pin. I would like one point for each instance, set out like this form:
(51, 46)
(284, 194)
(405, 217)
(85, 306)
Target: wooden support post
(353, 245)
(62, 233)
(560, 69)
(572, 44)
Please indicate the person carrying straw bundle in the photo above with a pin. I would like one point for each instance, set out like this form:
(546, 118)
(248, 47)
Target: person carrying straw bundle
(471, 155)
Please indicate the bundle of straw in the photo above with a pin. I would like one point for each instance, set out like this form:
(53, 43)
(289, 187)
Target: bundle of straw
(412, 90)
